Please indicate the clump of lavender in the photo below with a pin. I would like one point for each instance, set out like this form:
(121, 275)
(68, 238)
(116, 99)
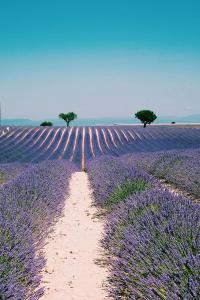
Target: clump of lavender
(154, 238)
(111, 180)
(29, 204)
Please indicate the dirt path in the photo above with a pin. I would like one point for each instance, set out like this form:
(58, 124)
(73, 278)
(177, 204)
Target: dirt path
(71, 272)
(177, 191)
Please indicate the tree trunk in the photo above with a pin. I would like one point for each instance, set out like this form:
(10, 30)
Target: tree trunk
(67, 123)
(145, 124)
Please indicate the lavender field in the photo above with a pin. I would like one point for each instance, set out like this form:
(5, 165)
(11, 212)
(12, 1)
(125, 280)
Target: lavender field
(79, 144)
(151, 237)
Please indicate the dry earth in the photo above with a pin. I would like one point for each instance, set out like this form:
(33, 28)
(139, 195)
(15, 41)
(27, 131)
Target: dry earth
(177, 191)
(72, 249)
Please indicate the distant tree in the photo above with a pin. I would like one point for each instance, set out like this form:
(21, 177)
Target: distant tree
(146, 116)
(46, 123)
(70, 116)
(173, 122)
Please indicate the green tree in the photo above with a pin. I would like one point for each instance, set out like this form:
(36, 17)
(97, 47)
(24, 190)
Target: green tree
(46, 123)
(146, 116)
(70, 116)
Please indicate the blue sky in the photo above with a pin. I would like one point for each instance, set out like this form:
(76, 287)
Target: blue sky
(99, 58)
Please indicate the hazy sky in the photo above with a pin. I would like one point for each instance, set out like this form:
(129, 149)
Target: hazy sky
(99, 58)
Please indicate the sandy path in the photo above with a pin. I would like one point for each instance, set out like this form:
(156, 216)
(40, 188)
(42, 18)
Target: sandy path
(73, 247)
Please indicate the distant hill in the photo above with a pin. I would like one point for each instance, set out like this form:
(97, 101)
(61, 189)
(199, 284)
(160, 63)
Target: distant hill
(190, 119)
(101, 121)
(19, 122)
(184, 119)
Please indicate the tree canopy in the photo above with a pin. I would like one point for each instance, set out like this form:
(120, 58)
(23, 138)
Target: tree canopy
(68, 117)
(146, 116)
(46, 123)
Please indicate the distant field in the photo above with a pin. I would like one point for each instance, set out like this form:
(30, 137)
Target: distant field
(79, 144)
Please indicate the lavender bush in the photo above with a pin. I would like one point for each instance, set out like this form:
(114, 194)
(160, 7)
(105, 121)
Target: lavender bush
(109, 178)
(29, 204)
(156, 246)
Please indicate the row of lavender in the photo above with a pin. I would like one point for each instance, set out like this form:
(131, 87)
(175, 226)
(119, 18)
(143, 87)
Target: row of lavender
(151, 235)
(30, 202)
(180, 168)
